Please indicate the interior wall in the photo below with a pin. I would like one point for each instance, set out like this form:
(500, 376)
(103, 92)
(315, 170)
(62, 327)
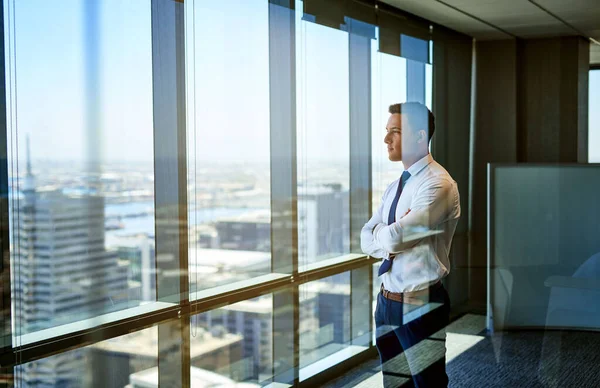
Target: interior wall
(452, 67)
(531, 105)
(495, 140)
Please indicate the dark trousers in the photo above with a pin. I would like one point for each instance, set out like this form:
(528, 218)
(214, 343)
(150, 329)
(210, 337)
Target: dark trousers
(411, 340)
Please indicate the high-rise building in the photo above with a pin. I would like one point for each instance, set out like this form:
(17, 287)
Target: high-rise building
(323, 223)
(62, 271)
(252, 319)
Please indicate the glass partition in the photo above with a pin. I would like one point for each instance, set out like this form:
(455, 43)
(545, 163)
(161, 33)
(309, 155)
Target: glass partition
(544, 263)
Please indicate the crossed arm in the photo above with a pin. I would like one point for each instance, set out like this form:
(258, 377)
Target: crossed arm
(431, 205)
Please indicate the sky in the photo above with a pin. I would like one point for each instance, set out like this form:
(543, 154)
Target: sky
(227, 77)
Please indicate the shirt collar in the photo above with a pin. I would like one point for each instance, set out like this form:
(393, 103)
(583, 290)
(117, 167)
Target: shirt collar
(420, 164)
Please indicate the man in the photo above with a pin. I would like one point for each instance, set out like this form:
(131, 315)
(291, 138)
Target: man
(413, 304)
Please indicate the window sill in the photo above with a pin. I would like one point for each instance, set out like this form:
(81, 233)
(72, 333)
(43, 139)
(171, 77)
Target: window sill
(327, 362)
(87, 325)
(334, 261)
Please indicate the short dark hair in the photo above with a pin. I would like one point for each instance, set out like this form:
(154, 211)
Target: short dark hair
(418, 115)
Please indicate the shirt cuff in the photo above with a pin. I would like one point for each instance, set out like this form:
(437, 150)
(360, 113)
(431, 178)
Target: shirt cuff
(377, 229)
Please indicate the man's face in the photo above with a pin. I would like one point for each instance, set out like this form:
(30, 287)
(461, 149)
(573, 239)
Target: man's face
(399, 138)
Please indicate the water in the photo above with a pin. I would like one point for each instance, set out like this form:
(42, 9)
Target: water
(145, 223)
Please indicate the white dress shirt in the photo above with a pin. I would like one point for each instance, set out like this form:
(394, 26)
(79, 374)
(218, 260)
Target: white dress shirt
(432, 197)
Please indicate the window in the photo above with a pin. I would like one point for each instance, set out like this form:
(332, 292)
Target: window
(81, 160)
(231, 127)
(389, 87)
(128, 360)
(391, 82)
(323, 141)
(228, 142)
(332, 325)
(594, 119)
(235, 341)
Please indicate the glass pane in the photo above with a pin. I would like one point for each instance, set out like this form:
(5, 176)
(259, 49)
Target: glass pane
(81, 166)
(594, 123)
(228, 141)
(233, 344)
(323, 141)
(127, 361)
(429, 86)
(388, 74)
(544, 248)
(325, 324)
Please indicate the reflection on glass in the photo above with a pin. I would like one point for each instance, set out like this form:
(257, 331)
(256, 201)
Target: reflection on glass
(322, 142)
(115, 363)
(81, 198)
(228, 141)
(388, 75)
(234, 343)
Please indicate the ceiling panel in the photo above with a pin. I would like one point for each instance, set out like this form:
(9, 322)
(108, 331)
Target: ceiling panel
(581, 14)
(519, 17)
(441, 14)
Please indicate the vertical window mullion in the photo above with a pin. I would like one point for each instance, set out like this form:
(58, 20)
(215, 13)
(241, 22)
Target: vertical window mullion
(284, 202)
(170, 158)
(359, 40)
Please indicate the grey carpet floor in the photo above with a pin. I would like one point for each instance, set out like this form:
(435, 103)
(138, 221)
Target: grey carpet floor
(552, 359)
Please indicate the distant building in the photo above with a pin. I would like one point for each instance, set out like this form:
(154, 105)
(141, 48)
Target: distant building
(139, 254)
(62, 271)
(217, 267)
(323, 223)
(248, 232)
(200, 378)
(328, 302)
(253, 320)
(137, 352)
(323, 226)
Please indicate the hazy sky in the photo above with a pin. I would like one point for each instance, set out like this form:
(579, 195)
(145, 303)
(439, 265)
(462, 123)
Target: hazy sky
(228, 63)
(228, 74)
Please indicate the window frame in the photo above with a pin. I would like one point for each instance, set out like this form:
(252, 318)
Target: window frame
(175, 305)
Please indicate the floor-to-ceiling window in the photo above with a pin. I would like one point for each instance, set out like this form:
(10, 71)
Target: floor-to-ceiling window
(185, 181)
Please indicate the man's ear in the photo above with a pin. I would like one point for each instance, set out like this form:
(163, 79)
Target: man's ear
(422, 136)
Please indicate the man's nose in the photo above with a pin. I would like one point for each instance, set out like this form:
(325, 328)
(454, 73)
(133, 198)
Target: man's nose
(387, 139)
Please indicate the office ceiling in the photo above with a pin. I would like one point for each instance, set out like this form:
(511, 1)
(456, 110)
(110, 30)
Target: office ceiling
(502, 19)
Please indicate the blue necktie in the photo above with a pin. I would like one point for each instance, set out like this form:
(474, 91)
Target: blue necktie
(387, 264)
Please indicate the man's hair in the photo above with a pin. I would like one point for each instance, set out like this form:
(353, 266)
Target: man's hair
(418, 115)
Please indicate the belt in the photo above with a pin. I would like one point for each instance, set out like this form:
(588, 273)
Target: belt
(411, 297)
